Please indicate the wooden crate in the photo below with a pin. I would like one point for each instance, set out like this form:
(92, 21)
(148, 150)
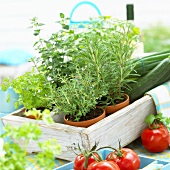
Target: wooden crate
(126, 125)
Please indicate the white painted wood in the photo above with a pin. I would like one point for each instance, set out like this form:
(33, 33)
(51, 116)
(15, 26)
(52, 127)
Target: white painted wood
(126, 125)
(67, 136)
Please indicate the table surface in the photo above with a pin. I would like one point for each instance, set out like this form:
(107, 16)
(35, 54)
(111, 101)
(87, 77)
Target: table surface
(135, 145)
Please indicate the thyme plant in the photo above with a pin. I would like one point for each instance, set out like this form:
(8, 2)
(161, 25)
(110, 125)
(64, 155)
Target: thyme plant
(78, 95)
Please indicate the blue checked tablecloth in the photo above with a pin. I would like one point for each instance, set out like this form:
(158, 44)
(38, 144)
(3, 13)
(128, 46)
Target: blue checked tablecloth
(140, 150)
(136, 146)
(31, 165)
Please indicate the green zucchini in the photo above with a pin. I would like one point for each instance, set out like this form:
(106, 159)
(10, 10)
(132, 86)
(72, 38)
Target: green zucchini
(147, 63)
(156, 77)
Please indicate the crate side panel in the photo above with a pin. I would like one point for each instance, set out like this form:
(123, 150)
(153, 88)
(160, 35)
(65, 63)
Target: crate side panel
(126, 125)
(67, 136)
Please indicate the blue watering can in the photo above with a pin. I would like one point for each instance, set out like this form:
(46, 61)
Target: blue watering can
(85, 21)
(8, 107)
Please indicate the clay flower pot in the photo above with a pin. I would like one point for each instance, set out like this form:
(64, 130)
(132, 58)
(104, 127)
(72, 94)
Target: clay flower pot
(111, 109)
(86, 123)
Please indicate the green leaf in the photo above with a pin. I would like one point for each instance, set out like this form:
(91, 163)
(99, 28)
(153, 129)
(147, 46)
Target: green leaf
(149, 119)
(61, 15)
(35, 44)
(8, 98)
(107, 17)
(36, 32)
(40, 24)
(136, 30)
(159, 116)
(64, 26)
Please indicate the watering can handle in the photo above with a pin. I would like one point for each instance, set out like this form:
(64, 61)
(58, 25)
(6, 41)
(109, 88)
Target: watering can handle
(79, 4)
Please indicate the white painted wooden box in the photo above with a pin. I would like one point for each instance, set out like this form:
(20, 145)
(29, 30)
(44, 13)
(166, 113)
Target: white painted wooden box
(126, 125)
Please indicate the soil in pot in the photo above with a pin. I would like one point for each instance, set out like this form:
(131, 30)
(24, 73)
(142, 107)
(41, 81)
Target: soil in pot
(119, 105)
(93, 116)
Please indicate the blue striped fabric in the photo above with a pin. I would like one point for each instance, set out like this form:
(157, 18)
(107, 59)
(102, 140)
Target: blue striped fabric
(31, 163)
(161, 97)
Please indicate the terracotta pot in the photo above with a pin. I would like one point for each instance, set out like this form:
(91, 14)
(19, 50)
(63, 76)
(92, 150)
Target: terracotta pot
(111, 109)
(86, 123)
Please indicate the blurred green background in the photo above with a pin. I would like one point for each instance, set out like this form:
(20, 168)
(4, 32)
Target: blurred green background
(156, 37)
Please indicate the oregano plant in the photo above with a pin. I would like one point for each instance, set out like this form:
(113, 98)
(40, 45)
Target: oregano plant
(55, 51)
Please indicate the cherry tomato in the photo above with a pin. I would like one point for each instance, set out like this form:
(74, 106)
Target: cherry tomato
(80, 160)
(103, 165)
(155, 140)
(126, 159)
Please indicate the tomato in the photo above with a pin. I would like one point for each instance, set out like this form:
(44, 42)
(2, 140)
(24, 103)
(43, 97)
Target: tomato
(80, 160)
(103, 165)
(126, 159)
(155, 140)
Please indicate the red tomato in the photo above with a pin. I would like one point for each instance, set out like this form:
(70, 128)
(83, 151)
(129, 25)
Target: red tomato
(103, 165)
(127, 160)
(80, 160)
(155, 140)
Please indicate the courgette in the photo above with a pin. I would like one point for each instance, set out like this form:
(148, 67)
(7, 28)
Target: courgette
(145, 64)
(156, 77)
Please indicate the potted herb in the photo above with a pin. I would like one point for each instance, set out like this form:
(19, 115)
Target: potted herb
(33, 88)
(56, 51)
(121, 41)
(77, 99)
(102, 54)
(108, 45)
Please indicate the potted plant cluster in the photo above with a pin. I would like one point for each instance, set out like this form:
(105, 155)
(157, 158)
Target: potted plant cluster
(108, 45)
(79, 71)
